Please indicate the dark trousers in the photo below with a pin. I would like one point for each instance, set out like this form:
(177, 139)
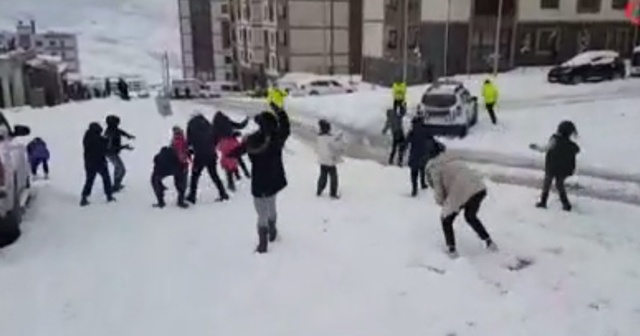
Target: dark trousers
(119, 170)
(471, 209)
(232, 175)
(329, 173)
(35, 164)
(398, 147)
(418, 173)
(199, 165)
(90, 177)
(562, 191)
(399, 106)
(244, 168)
(492, 112)
(179, 181)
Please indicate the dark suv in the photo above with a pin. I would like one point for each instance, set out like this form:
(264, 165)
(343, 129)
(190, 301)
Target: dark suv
(594, 65)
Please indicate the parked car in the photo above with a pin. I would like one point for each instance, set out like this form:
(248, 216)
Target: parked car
(315, 87)
(449, 108)
(635, 62)
(186, 88)
(220, 89)
(15, 180)
(589, 66)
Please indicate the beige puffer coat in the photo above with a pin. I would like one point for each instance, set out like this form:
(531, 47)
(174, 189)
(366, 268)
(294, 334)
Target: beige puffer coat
(453, 183)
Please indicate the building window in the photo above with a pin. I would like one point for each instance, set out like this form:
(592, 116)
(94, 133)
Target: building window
(413, 5)
(250, 59)
(273, 63)
(227, 76)
(52, 43)
(282, 10)
(412, 42)
(547, 41)
(392, 4)
(272, 39)
(283, 37)
(283, 64)
(589, 6)
(550, 4)
(619, 4)
(39, 44)
(224, 8)
(228, 60)
(392, 39)
(272, 14)
(583, 40)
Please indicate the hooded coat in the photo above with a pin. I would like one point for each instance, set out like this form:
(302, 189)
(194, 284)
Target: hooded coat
(561, 151)
(95, 147)
(179, 144)
(167, 162)
(421, 144)
(114, 135)
(264, 148)
(200, 138)
(224, 127)
(394, 124)
(453, 183)
(37, 150)
(329, 147)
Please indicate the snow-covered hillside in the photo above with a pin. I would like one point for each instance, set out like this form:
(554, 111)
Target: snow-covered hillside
(115, 36)
(370, 264)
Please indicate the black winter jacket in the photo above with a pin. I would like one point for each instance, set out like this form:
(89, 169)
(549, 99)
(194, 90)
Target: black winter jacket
(95, 148)
(265, 152)
(561, 156)
(114, 139)
(200, 139)
(167, 162)
(224, 127)
(421, 144)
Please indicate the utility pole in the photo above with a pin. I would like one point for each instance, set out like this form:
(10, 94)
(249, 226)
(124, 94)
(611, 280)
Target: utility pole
(331, 38)
(496, 51)
(445, 60)
(405, 43)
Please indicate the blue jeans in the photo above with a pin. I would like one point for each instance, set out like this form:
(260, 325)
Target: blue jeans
(119, 170)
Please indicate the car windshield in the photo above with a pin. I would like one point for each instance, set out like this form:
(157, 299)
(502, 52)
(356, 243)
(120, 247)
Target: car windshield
(439, 100)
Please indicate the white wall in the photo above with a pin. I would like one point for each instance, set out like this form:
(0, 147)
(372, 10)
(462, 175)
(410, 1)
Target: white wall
(318, 13)
(530, 11)
(305, 41)
(373, 39)
(460, 10)
(373, 10)
(317, 63)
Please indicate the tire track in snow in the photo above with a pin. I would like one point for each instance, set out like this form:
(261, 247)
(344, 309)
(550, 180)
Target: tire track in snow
(498, 167)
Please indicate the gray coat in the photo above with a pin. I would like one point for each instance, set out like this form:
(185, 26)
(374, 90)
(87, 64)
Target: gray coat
(393, 123)
(453, 183)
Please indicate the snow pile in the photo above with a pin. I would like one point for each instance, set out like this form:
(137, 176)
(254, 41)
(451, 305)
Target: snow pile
(115, 36)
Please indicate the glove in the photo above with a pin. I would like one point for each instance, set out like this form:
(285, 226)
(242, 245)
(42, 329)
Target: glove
(533, 146)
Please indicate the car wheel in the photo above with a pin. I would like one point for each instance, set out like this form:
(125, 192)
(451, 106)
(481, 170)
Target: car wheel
(576, 79)
(463, 131)
(313, 93)
(474, 118)
(617, 75)
(10, 225)
(349, 91)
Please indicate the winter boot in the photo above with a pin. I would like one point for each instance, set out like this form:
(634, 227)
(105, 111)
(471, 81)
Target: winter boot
(541, 205)
(490, 245)
(414, 193)
(263, 242)
(181, 203)
(273, 231)
(110, 198)
(118, 188)
(191, 198)
(84, 202)
(452, 253)
(222, 198)
(567, 207)
(160, 204)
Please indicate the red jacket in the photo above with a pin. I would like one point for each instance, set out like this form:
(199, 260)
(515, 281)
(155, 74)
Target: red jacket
(226, 146)
(179, 144)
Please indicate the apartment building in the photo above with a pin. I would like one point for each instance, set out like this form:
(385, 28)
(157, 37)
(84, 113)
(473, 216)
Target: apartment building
(279, 36)
(60, 44)
(533, 32)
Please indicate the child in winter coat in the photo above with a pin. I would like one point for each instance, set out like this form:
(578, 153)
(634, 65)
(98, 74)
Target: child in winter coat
(168, 163)
(456, 187)
(38, 155)
(560, 162)
(329, 148)
(114, 135)
(421, 144)
(394, 124)
(227, 146)
(95, 163)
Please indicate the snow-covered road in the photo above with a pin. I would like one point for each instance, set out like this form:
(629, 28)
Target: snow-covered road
(599, 183)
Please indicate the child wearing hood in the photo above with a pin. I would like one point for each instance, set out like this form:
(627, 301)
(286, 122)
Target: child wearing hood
(456, 187)
(114, 135)
(329, 148)
(421, 144)
(229, 163)
(394, 124)
(265, 147)
(38, 155)
(95, 162)
(560, 162)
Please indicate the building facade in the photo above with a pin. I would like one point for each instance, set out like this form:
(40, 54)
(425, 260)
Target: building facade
(533, 32)
(59, 44)
(255, 40)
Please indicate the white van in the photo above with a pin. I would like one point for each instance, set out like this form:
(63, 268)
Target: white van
(635, 62)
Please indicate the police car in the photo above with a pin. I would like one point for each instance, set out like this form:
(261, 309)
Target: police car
(449, 108)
